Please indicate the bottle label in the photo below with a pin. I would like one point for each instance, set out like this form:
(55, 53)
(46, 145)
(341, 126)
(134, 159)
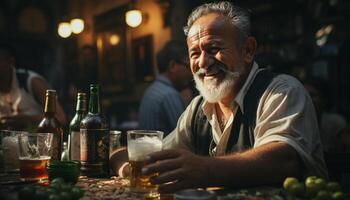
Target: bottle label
(75, 145)
(94, 146)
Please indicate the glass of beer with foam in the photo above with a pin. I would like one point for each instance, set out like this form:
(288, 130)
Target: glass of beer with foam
(140, 144)
(34, 154)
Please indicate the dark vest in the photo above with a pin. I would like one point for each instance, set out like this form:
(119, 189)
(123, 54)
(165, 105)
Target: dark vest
(242, 131)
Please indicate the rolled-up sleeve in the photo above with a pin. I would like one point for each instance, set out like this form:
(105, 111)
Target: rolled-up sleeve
(286, 114)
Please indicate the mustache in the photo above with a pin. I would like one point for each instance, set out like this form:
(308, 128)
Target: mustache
(212, 69)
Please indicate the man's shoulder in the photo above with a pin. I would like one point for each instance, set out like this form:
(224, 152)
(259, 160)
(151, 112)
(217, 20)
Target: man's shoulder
(157, 90)
(285, 82)
(28, 73)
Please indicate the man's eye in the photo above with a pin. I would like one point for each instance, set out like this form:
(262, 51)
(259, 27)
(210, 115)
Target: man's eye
(214, 50)
(194, 54)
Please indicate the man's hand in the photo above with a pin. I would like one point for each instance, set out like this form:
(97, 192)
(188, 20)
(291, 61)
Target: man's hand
(177, 169)
(14, 121)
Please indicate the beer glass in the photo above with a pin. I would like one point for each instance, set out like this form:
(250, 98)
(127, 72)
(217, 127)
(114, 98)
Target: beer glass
(34, 153)
(9, 145)
(140, 144)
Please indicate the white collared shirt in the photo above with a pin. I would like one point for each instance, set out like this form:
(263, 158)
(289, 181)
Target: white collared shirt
(285, 113)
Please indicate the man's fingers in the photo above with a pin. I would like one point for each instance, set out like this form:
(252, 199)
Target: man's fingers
(171, 176)
(162, 155)
(161, 166)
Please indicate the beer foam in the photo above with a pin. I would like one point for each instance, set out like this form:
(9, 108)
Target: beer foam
(139, 148)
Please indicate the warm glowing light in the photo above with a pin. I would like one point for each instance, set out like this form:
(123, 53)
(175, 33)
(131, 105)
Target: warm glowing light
(64, 29)
(133, 18)
(77, 25)
(114, 39)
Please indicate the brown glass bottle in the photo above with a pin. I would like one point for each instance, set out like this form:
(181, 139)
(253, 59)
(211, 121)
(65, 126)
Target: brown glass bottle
(94, 138)
(49, 124)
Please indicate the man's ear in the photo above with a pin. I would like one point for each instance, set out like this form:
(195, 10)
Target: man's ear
(249, 49)
(171, 66)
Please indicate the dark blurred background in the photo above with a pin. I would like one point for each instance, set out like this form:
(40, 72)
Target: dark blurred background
(304, 38)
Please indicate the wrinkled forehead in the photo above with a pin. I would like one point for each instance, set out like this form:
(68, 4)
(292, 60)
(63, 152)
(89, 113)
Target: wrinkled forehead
(212, 25)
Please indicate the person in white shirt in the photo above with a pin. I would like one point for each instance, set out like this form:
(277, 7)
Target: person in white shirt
(22, 94)
(248, 126)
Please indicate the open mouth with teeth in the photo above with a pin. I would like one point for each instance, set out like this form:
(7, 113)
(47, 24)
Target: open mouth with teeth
(212, 72)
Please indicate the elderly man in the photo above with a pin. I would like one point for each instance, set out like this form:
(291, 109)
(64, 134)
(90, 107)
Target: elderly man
(248, 126)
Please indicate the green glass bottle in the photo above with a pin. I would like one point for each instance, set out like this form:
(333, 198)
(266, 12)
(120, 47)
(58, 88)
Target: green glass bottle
(94, 138)
(49, 124)
(74, 127)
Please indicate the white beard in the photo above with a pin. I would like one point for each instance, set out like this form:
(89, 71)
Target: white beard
(212, 91)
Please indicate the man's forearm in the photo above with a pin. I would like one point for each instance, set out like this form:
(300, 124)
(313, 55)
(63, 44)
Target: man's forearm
(268, 164)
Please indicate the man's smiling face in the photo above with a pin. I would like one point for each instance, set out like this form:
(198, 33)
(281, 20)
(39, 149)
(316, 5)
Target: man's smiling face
(216, 58)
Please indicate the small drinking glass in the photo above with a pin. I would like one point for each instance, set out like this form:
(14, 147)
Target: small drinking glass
(114, 141)
(140, 144)
(10, 150)
(34, 154)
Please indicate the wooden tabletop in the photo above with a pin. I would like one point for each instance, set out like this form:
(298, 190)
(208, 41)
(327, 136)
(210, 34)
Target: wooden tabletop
(117, 188)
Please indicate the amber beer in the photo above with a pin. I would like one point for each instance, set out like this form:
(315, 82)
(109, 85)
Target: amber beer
(34, 153)
(33, 168)
(139, 181)
(140, 144)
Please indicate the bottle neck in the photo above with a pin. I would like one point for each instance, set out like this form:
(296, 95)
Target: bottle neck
(50, 105)
(94, 103)
(81, 106)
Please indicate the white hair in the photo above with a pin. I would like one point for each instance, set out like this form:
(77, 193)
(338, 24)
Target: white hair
(239, 17)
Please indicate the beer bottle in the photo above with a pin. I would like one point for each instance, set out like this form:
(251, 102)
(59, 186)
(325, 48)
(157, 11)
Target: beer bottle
(74, 127)
(94, 138)
(49, 124)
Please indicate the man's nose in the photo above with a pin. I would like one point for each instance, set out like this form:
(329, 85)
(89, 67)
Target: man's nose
(205, 60)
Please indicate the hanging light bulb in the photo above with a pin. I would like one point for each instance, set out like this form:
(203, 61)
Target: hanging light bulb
(64, 29)
(114, 39)
(77, 25)
(133, 18)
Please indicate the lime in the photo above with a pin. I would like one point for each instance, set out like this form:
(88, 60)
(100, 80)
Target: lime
(57, 180)
(77, 193)
(26, 193)
(310, 180)
(57, 186)
(66, 187)
(54, 197)
(65, 196)
(289, 181)
(311, 190)
(320, 184)
(337, 195)
(333, 187)
(323, 195)
(297, 189)
(51, 190)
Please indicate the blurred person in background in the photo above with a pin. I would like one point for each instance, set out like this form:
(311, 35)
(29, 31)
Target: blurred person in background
(330, 123)
(22, 94)
(162, 104)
